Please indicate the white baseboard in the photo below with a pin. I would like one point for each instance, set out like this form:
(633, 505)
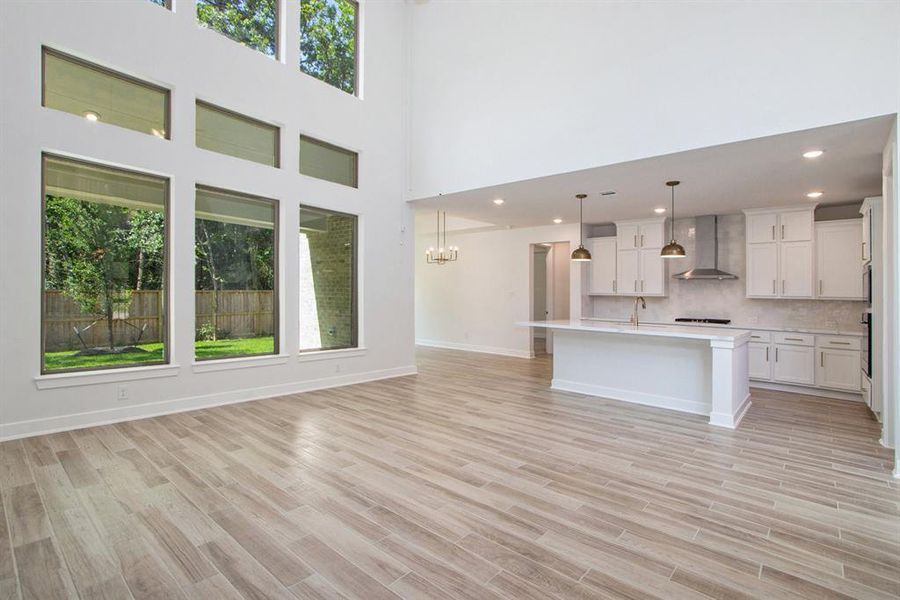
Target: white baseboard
(731, 421)
(475, 348)
(21, 429)
(807, 391)
(688, 406)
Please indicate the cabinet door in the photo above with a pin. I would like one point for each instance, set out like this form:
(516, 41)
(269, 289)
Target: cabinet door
(838, 369)
(627, 273)
(761, 228)
(762, 270)
(866, 241)
(794, 364)
(838, 261)
(628, 237)
(603, 266)
(796, 226)
(653, 235)
(653, 273)
(760, 367)
(796, 267)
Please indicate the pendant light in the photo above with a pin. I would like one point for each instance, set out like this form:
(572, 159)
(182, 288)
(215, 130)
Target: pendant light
(673, 249)
(581, 253)
(444, 253)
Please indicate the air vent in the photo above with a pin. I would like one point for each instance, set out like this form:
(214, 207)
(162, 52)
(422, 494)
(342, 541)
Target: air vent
(608, 193)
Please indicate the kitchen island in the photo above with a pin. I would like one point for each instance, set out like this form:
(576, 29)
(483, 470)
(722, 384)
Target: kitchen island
(689, 369)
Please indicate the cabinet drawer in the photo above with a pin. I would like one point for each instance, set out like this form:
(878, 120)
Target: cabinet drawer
(761, 336)
(837, 342)
(794, 339)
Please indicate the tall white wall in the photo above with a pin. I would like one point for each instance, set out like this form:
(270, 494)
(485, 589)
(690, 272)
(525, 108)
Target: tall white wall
(505, 90)
(472, 304)
(169, 48)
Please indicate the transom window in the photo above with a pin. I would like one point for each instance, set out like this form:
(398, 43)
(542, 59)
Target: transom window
(329, 42)
(253, 23)
(326, 161)
(227, 132)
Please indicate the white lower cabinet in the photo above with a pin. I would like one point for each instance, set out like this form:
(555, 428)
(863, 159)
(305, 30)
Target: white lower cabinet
(838, 369)
(794, 364)
(760, 365)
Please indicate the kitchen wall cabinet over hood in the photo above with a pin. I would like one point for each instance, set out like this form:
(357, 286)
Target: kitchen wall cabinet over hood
(706, 251)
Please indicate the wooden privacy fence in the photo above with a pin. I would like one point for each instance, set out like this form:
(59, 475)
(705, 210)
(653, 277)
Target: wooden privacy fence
(242, 313)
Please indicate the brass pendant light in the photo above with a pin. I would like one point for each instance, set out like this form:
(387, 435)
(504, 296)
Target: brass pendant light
(444, 253)
(581, 254)
(673, 249)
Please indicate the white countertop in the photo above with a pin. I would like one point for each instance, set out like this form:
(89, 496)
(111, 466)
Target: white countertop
(656, 330)
(825, 331)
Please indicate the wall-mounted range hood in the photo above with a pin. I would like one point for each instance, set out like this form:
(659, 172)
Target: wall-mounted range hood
(706, 251)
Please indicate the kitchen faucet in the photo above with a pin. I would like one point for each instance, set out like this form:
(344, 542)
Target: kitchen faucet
(634, 314)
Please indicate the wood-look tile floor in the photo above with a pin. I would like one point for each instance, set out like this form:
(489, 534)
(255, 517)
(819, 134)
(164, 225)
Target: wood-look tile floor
(471, 480)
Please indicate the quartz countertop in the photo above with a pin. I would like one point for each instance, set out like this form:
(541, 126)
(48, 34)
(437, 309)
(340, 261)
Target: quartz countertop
(648, 329)
(814, 331)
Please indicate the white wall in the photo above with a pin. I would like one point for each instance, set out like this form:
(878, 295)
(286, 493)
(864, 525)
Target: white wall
(544, 87)
(473, 303)
(169, 48)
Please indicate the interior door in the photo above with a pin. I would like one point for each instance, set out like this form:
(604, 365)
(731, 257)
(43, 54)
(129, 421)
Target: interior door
(551, 296)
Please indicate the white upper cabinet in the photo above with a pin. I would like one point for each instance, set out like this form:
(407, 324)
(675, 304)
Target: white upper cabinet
(603, 266)
(780, 252)
(640, 270)
(797, 225)
(839, 259)
(761, 227)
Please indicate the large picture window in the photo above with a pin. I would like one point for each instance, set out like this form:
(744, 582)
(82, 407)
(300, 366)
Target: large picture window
(329, 42)
(252, 23)
(328, 294)
(236, 275)
(100, 95)
(104, 267)
(230, 133)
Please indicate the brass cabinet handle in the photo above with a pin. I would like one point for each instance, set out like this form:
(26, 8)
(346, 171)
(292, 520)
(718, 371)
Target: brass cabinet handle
(767, 354)
(821, 359)
(776, 353)
(793, 339)
(642, 240)
(836, 343)
(782, 232)
(773, 232)
(635, 241)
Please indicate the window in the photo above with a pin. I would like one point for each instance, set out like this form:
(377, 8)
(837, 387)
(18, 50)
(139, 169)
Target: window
(236, 275)
(329, 34)
(252, 23)
(229, 133)
(324, 161)
(161, 2)
(328, 319)
(104, 267)
(100, 95)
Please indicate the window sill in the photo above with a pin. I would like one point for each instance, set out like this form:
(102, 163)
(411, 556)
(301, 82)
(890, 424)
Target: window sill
(328, 354)
(240, 362)
(63, 380)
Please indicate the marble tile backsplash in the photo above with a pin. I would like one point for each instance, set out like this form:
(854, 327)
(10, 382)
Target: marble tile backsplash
(726, 299)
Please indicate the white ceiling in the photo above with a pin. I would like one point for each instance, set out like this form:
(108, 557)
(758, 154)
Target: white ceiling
(724, 179)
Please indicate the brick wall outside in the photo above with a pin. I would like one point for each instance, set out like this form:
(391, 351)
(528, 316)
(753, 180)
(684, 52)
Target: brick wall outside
(331, 254)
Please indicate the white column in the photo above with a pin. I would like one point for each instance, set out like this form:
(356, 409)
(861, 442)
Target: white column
(730, 387)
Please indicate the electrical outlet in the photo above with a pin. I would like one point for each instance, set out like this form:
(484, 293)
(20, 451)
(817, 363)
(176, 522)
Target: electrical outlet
(122, 393)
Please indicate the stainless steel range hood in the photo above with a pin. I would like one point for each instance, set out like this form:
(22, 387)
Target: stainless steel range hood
(706, 251)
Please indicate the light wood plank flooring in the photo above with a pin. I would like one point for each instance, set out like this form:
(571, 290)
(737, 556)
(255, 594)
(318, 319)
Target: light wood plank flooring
(469, 481)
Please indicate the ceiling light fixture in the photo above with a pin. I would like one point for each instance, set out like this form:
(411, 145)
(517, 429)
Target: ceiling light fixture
(498, 201)
(673, 249)
(659, 210)
(557, 220)
(581, 254)
(91, 116)
(444, 253)
(813, 154)
(815, 195)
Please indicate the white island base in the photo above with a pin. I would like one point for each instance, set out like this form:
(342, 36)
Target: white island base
(680, 368)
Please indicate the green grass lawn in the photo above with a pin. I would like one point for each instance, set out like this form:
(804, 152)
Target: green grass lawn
(153, 353)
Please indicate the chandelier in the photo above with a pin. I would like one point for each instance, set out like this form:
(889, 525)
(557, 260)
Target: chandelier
(444, 253)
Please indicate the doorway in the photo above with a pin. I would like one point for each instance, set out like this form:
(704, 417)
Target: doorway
(549, 290)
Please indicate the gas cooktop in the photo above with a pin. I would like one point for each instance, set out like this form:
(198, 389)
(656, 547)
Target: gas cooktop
(702, 320)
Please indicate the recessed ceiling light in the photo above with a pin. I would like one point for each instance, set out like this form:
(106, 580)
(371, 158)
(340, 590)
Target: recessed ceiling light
(659, 210)
(813, 154)
(91, 116)
(814, 194)
(498, 201)
(557, 220)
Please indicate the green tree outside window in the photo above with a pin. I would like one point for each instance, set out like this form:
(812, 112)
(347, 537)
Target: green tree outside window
(328, 43)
